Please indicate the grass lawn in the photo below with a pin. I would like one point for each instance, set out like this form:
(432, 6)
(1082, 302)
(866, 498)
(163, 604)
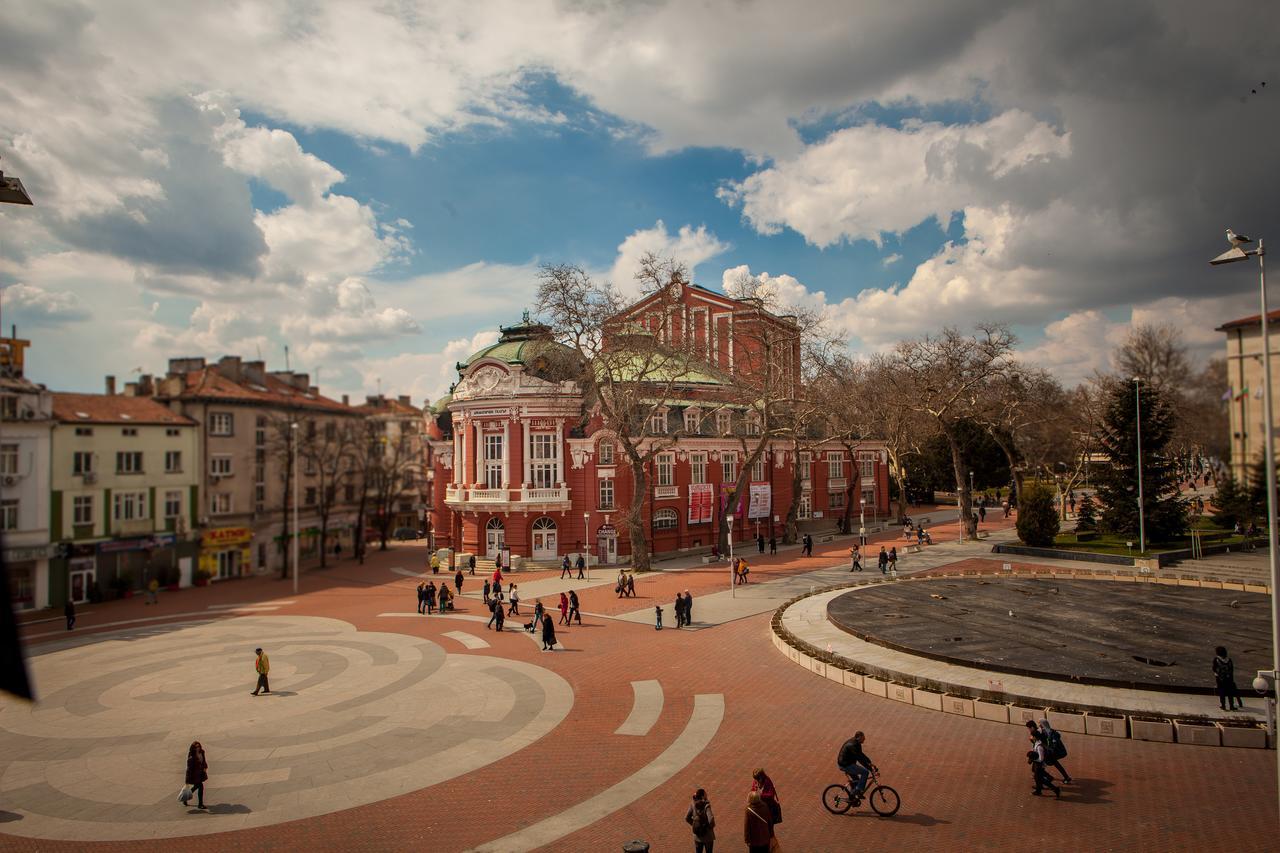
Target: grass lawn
(1105, 543)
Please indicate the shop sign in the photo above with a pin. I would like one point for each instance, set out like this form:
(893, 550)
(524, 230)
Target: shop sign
(142, 543)
(35, 552)
(220, 537)
(607, 530)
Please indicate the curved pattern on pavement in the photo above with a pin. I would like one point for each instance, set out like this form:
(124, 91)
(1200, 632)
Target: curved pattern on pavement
(645, 710)
(357, 717)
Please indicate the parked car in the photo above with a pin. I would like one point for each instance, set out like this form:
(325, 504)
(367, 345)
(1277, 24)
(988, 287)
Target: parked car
(403, 533)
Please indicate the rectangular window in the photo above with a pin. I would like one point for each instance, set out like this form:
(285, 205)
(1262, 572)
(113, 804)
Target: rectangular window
(330, 431)
(172, 432)
(666, 463)
(82, 510)
(84, 430)
(309, 497)
(8, 459)
(259, 497)
(697, 467)
(606, 493)
(606, 453)
(867, 463)
(81, 462)
(835, 465)
(260, 432)
(220, 466)
(130, 506)
(173, 503)
(805, 510)
(129, 462)
(173, 461)
(129, 431)
(221, 423)
(9, 408)
(311, 430)
(753, 425)
(658, 423)
(219, 504)
(349, 493)
(9, 515)
(835, 500)
(869, 499)
(729, 466)
(724, 422)
(758, 473)
(691, 421)
(544, 460)
(806, 465)
(493, 469)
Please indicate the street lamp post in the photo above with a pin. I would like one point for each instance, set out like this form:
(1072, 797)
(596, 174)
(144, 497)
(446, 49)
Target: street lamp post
(1265, 679)
(586, 539)
(1142, 507)
(293, 434)
(733, 579)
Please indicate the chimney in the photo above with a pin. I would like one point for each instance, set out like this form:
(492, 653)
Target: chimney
(404, 400)
(346, 400)
(144, 385)
(179, 366)
(229, 367)
(256, 372)
(313, 390)
(111, 385)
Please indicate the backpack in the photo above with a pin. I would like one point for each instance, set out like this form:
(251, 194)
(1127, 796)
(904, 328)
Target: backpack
(1055, 747)
(699, 820)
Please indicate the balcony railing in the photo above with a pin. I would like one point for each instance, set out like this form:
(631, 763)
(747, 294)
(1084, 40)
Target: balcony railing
(463, 495)
(544, 495)
(489, 495)
(666, 491)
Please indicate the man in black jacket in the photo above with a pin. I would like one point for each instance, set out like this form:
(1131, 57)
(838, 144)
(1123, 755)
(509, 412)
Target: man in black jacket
(855, 763)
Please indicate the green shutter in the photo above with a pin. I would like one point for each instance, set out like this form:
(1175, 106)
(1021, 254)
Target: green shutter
(55, 516)
(106, 512)
(152, 516)
(194, 506)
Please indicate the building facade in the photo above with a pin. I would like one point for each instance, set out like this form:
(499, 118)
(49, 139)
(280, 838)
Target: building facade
(396, 485)
(519, 463)
(26, 424)
(1244, 392)
(248, 446)
(123, 495)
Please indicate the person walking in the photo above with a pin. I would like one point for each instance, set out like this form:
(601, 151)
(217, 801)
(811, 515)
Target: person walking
(444, 597)
(679, 608)
(1035, 757)
(982, 511)
(855, 559)
(69, 611)
(499, 620)
(883, 560)
(263, 666)
(761, 783)
(422, 596)
(703, 823)
(495, 607)
(457, 581)
(152, 589)
(807, 549)
(431, 597)
(538, 611)
(1054, 749)
(435, 564)
(773, 544)
(471, 563)
(496, 592)
(657, 617)
(760, 542)
(582, 568)
(566, 570)
(564, 609)
(1224, 676)
(893, 559)
(574, 611)
(514, 610)
(631, 586)
(757, 829)
(548, 633)
(197, 773)
(487, 589)
(688, 607)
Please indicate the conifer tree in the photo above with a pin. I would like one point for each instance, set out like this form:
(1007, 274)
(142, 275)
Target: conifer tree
(1117, 483)
(1087, 519)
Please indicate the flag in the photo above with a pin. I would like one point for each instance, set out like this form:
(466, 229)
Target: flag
(1227, 395)
(1244, 392)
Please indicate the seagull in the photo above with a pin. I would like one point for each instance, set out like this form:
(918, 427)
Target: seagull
(1236, 240)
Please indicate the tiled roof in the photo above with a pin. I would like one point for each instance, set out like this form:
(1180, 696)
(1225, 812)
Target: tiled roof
(114, 409)
(1251, 320)
(208, 384)
(388, 406)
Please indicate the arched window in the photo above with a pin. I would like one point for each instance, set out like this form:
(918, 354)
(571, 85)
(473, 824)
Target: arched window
(665, 519)
(494, 524)
(544, 523)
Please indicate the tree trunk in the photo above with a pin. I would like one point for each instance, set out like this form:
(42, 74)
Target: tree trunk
(324, 536)
(791, 532)
(964, 498)
(358, 538)
(1016, 488)
(288, 503)
(899, 477)
(640, 558)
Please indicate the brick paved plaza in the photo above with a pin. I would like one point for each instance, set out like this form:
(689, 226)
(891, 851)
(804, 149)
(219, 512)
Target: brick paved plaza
(387, 730)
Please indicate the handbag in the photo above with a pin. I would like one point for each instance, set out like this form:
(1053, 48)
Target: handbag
(776, 808)
(184, 794)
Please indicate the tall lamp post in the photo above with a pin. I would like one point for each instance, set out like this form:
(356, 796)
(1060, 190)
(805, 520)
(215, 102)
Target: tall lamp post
(586, 539)
(1265, 680)
(293, 434)
(733, 579)
(1142, 505)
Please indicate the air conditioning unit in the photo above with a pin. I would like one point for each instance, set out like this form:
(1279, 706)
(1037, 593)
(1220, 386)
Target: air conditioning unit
(204, 521)
(28, 414)
(10, 480)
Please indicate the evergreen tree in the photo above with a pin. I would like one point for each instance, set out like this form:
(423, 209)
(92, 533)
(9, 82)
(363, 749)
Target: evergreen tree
(1037, 516)
(1231, 503)
(1087, 519)
(1117, 482)
(1253, 503)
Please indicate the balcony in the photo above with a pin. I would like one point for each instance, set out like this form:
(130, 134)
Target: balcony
(661, 492)
(136, 527)
(554, 495)
(462, 497)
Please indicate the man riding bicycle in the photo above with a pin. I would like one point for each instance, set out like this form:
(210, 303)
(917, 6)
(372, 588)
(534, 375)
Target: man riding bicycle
(855, 763)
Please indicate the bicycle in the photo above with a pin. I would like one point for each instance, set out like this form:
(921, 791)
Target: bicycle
(884, 800)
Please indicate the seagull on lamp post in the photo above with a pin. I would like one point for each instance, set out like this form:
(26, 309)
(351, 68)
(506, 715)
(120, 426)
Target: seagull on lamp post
(1237, 240)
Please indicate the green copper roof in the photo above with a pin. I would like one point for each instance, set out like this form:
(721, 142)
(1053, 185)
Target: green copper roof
(517, 344)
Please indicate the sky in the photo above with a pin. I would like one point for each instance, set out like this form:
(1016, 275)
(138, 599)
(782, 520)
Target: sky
(375, 184)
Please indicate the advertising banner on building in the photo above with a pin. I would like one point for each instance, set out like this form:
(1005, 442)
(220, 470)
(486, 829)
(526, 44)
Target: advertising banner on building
(761, 500)
(700, 503)
(724, 501)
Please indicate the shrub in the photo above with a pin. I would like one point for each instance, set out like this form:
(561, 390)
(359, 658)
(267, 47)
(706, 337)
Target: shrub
(1037, 516)
(1088, 516)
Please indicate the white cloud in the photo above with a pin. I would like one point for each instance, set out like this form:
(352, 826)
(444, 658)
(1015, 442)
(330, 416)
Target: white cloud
(34, 305)
(424, 376)
(691, 246)
(347, 312)
(890, 260)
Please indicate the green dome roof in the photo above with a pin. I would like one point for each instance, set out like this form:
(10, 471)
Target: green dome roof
(517, 344)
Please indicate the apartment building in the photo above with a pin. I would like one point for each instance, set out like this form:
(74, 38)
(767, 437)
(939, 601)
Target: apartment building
(397, 457)
(245, 415)
(26, 421)
(122, 495)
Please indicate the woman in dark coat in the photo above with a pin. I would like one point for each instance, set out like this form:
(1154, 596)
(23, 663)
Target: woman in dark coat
(758, 828)
(548, 633)
(197, 771)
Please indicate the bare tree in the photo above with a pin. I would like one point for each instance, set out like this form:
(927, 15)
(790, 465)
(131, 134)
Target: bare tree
(324, 449)
(1012, 406)
(1156, 355)
(943, 376)
(391, 465)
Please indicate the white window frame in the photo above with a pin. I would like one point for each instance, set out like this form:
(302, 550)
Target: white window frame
(836, 499)
(724, 422)
(729, 466)
(220, 503)
(544, 460)
(129, 506)
(172, 503)
(220, 465)
(867, 465)
(758, 472)
(658, 422)
(605, 494)
(666, 519)
(222, 423)
(173, 461)
(806, 465)
(665, 465)
(495, 473)
(804, 511)
(835, 465)
(606, 453)
(132, 456)
(9, 457)
(82, 462)
(697, 468)
(81, 510)
(9, 514)
(753, 425)
(692, 419)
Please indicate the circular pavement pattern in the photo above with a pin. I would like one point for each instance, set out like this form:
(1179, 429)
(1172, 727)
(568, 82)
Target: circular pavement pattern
(1140, 635)
(357, 717)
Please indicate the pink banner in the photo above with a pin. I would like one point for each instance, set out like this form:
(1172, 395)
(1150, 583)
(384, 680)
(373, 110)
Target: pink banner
(700, 503)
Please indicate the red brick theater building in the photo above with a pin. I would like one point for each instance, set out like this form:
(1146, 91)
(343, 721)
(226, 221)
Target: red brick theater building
(516, 461)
